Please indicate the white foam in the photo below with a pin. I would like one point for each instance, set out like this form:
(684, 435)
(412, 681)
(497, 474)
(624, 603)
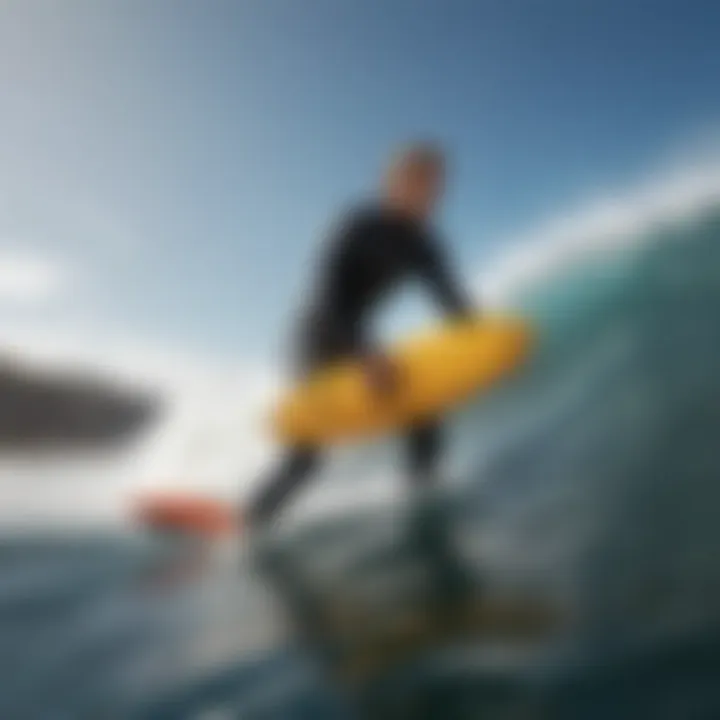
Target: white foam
(604, 225)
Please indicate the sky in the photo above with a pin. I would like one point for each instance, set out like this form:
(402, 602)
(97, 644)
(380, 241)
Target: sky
(168, 167)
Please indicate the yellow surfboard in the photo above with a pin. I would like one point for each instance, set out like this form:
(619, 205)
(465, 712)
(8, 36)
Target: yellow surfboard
(436, 370)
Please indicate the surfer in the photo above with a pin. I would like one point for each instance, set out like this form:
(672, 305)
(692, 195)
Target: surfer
(376, 248)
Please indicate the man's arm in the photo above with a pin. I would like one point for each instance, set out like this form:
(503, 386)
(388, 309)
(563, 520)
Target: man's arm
(435, 272)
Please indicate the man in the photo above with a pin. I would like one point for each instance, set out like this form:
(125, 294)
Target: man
(376, 248)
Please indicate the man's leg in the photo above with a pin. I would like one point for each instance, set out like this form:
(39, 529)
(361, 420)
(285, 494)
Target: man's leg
(430, 524)
(294, 471)
(424, 444)
(274, 565)
(424, 449)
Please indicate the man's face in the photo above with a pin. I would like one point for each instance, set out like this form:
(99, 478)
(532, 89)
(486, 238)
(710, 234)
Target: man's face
(421, 188)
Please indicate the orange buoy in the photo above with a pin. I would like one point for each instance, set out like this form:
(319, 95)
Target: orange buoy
(187, 514)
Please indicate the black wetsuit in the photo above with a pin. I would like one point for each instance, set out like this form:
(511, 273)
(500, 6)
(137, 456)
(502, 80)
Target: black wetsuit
(373, 251)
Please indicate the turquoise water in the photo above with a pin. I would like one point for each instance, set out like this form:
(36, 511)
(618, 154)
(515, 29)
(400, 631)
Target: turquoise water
(590, 482)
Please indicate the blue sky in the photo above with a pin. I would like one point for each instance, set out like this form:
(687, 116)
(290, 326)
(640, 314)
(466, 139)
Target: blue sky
(167, 166)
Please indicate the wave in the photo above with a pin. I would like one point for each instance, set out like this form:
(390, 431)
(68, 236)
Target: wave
(211, 435)
(524, 269)
(589, 481)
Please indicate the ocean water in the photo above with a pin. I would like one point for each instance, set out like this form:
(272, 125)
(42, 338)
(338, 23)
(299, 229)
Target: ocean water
(588, 483)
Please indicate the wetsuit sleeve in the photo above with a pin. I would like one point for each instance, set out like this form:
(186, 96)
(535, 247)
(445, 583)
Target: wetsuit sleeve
(437, 275)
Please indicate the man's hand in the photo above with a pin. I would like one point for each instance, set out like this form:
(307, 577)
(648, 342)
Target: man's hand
(381, 373)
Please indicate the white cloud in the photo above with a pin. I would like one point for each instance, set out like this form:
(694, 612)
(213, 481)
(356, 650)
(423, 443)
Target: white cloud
(29, 280)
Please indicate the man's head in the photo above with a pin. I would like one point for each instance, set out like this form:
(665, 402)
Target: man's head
(415, 179)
